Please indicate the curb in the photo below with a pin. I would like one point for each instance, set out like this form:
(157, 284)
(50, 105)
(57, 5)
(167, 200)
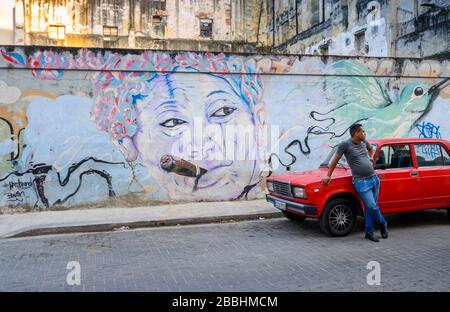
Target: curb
(92, 228)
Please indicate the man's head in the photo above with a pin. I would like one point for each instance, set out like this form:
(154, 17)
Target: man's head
(357, 132)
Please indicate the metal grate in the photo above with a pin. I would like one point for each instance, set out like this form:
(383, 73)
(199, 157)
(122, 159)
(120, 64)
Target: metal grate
(282, 188)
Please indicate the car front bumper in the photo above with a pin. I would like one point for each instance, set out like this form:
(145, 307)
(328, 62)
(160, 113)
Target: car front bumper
(284, 204)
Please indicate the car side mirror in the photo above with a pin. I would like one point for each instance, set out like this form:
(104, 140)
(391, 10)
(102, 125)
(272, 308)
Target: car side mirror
(380, 166)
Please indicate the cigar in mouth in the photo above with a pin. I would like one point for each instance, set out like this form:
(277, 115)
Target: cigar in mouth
(180, 166)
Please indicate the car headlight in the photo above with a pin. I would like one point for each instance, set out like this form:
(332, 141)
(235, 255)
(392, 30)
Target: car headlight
(270, 186)
(299, 192)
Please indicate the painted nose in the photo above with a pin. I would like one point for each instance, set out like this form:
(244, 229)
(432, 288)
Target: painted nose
(206, 148)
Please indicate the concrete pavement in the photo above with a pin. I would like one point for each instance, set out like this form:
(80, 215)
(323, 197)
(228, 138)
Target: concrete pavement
(260, 255)
(107, 219)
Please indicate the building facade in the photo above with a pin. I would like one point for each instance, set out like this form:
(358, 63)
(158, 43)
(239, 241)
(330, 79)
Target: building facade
(408, 28)
(145, 24)
(394, 28)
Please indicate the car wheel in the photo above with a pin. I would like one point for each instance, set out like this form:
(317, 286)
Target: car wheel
(338, 218)
(293, 216)
(448, 212)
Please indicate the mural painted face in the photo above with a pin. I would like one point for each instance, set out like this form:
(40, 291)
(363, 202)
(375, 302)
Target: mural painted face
(202, 119)
(105, 136)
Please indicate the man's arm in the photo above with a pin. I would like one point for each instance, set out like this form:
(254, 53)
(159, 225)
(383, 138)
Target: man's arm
(326, 180)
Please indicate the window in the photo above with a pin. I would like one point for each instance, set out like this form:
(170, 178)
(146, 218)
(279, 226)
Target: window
(156, 20)
(56, 32)
(361, 48)
(406, 10)
(110, 12)
(110, 33)
(158, 26)
(410, 9)
(445, 156)
(323, 49)
(424, 6)
(430, 155)
(315, 13)
(395, 156)
(206, 27)
(158, 4)
(320, 11)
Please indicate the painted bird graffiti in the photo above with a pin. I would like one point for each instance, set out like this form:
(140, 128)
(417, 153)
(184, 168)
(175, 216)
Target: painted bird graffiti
(357, 96)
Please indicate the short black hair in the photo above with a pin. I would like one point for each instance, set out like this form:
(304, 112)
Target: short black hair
(355, 128)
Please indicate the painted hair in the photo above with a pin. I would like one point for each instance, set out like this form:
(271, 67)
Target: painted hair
(116, 93)
(123, 79)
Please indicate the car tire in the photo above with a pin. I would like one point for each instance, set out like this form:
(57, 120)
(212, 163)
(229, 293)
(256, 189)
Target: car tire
(338, 218)
(448, 213)
(293, 216)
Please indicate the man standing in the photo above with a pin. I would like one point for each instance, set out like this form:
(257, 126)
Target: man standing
(359, 154)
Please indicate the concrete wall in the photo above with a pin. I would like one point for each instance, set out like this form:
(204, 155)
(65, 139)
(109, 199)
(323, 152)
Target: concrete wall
(90, 127)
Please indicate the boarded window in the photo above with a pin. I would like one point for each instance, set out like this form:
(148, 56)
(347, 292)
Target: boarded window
(56, 32)
(110, 33)
(206, 27)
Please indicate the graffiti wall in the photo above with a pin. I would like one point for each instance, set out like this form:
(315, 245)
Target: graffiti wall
(83, 127)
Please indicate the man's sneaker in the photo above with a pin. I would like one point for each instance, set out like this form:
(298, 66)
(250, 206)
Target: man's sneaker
(371, 236)
(384, 230)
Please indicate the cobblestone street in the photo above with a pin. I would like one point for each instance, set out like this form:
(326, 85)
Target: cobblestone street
(264, 255)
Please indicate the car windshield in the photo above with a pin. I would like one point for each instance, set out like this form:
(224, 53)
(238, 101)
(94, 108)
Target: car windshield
(342, 162)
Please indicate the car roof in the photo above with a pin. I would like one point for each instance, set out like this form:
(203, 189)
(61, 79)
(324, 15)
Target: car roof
(409, 140)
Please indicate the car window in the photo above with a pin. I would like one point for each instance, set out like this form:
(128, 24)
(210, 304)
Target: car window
(430, 155)
(395, 156)
(446, 156)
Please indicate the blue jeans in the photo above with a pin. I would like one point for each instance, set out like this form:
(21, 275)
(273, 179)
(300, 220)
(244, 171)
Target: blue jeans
(368, 189)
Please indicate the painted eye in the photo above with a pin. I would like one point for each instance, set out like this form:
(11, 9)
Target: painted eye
(173, 122)
(418, 91)
(224, 111)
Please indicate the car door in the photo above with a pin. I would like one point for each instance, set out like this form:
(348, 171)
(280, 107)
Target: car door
(400, 185)
(434, 169)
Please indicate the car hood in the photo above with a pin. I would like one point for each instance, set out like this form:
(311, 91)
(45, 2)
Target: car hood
(309, 176)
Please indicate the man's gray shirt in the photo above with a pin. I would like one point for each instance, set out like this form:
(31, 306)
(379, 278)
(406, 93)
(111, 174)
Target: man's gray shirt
(357, 157)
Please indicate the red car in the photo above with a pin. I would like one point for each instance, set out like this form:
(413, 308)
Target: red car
(414, 175)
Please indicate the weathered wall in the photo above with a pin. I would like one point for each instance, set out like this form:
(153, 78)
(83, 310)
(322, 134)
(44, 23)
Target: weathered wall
(6, 23)
(427, 35)
(400, 28)
(91, 126)
(141, 23)
(353, 27)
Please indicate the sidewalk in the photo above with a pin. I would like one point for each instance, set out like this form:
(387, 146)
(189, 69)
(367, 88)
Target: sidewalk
(109, 219)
